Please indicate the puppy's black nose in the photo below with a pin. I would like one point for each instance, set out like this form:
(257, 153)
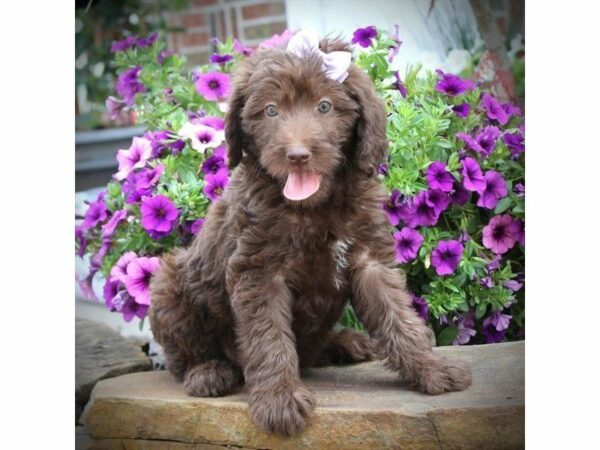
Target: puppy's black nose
(298, 156)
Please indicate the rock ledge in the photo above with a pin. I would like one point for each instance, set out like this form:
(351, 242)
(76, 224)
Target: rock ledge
(360, 406)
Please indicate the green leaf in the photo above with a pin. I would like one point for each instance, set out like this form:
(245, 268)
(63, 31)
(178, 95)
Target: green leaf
(480, 310)
(503, 205)
(446, 336)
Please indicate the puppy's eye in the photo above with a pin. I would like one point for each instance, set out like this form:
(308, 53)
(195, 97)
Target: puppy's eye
(271, 110)
(324, 106)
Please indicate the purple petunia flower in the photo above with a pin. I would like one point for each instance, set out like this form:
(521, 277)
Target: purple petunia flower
(399, 85)
(108, 229)
(137, 282)
(494, 109)
(497, 234)
(495, 189)
(122, 45)
(148, 40)
(513, 285)
(158, 214)
(133, 309)
(397, 208)
(213, 164)
(81, 241)
(487, 282)
(128, 85)
(114, 107)
(216, 184)
(383, 169)
(466, 329)
(459, 195)
(438, 200)
(196, 226)
(134, 157)
(420, 305)
(492, 336)
(453, 85)
(158, 141)
(213, 86)
(494, 327)
(438, 177)
(220, 59)
(515, 142)
(517, 228)
(511, 110)
(446, 257)
(119, 270)
(211, 121)
(486, 140)
(470, 142)
(96, 213)
(277, 40)
(519, 189)
(364, 36)
(407, 244)
(98, 257)
(421, 212)
(240, 49)
(462, 110)
(494, 264)
(473, 179)
(163, 55)
(396, 46)
(201, 136)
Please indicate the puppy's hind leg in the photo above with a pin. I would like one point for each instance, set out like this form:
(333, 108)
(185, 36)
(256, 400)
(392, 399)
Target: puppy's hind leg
(192, 352)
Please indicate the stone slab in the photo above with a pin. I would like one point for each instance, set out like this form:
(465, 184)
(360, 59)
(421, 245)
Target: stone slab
(100, 353)
(358, 407)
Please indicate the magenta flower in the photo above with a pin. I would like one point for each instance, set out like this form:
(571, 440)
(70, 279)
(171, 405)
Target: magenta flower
(486, 140)
(213, 86)
(494, 326)
(421, 212)
(420, 305)
(163, 55)
(399, 85)
(131, 309)
(119, 270)
(158, 214)
(518, 231)
(96, 213)
(128, 84)
(459, 195)
(511, 110)
(123, 44)
(220, 59)
(446, 257)
(277, 40)
(147, 41)
(494, 109)
(81, 241)
(515, 142)
(497, 235)
(470, 142)
(364, 36)
(438, 177)
(519, 189)
(108, 229)
(212, 121)
(407, 244)
(214, 164)
(438, 200)
(462, 110)
(492, 336)
(147, 178)
(453, 85)
(135, 157)
(201, 136)
(137, 282)
(466, 329)
(397, 208)
(240, 49)
(114, 107)
(196, 226)
(383, 169)
(513, 285)
(473, 179)
(396, 47)
(495, 189)
(216, 184)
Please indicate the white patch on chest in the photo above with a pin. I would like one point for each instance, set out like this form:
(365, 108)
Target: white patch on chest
(339, 253)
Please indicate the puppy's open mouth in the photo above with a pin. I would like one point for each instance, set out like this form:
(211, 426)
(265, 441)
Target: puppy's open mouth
(300, 185)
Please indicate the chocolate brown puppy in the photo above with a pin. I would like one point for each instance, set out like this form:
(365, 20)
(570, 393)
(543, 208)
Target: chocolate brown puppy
(298, 232)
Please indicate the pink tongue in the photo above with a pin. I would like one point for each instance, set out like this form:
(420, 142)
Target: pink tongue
(301, 185)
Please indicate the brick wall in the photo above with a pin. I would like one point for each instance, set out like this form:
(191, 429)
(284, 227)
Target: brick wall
(251, 21)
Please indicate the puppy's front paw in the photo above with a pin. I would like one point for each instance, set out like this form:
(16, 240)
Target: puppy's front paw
(284, 410)
(444, 376)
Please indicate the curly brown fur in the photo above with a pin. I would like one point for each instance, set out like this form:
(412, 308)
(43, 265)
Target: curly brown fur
(261, 287)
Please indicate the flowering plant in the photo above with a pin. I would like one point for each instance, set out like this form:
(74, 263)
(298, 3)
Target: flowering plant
(455, 175)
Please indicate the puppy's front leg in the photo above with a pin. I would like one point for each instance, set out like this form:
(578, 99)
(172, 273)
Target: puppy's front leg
(383, 305)
(262, 305)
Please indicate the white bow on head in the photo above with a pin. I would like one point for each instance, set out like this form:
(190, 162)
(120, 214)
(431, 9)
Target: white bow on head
(335, 64)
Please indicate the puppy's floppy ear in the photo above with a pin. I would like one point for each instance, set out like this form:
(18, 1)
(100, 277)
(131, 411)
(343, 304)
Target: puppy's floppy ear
(234, 135)
(371, 141)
